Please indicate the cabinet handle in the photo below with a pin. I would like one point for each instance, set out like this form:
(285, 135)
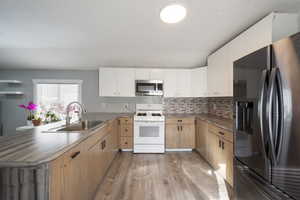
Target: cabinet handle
(103, 144)
(221, 133)
(219, 143)
(180, 120)
(181, 128)
(74, 155)
(126, 143)
(126, 129)
(177, 128)
(223, 146)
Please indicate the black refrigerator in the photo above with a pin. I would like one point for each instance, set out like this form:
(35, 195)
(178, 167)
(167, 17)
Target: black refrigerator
(267, 122)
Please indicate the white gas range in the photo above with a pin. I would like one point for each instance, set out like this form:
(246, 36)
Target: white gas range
(149, 129)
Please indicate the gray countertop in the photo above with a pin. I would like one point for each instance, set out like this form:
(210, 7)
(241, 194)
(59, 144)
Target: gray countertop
(220, 122)
(34, 147)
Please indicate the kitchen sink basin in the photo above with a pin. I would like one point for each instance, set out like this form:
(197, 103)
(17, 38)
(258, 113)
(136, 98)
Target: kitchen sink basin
(75, 127)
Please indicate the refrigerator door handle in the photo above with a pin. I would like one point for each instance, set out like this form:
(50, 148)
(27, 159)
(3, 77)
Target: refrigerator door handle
(261, 107)
(275, 123)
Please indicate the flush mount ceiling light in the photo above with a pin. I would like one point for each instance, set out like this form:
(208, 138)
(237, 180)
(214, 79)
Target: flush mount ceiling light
(173, 14)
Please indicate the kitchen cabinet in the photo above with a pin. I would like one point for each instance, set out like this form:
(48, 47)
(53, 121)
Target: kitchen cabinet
(199, 82)
(172, 136)
(149, 74)
(56, 177)
(126, 133)
(120, 82)
(78, 172)
(177, 83)
(201, 138)
(220, 64)
(180, 133)
(216, 146)
(117, 82)
(74, 174)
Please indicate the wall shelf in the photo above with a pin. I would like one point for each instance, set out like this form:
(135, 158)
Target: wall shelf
(10, 81)
(11, 93)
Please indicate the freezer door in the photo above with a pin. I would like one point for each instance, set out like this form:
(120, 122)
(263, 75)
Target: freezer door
(250, 186)
(251, 75)
(286, 138)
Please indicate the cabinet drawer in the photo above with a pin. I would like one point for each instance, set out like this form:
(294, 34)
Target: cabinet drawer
(126, 131)
(126, 142)
(187, 120)
(125, 120)
(221, 132)
(74, 153)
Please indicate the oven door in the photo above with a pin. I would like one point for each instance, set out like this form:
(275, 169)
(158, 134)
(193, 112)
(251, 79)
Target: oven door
(149, 133)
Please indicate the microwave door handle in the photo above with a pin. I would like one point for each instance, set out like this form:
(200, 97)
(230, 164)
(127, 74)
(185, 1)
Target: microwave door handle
(269, 114)
(261, 109)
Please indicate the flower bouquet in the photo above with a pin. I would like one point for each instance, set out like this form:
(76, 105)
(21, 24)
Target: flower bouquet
(29, 109)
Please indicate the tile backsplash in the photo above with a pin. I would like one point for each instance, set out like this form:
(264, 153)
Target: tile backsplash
(185, 105)
(220, 106)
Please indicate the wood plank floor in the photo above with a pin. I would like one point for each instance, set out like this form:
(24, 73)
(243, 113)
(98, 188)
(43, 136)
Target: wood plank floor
(170, 176)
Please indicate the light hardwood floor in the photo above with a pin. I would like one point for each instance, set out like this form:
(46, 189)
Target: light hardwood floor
(170, 176)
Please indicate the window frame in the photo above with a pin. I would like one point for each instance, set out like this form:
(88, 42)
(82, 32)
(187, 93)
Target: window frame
(56, 81)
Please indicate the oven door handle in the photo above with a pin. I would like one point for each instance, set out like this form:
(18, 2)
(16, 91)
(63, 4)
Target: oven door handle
(162, 122)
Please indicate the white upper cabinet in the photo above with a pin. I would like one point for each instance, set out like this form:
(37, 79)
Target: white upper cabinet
(198, 82)
(149, 74)
(220, 64)
(177, 83)
(157, 74)
(116, 82)
(142, 74)
(170, 83)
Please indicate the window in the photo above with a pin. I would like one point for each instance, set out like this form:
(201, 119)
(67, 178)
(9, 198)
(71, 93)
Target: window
(55, 95)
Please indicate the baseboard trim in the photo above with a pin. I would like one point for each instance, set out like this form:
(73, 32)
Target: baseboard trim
(171, 150)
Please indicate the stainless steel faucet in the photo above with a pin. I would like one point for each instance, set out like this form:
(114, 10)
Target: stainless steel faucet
(82, 110)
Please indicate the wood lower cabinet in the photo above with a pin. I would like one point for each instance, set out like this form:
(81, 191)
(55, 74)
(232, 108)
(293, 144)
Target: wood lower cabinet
(201, 138)
(216, 146)
(126, 133)
(180, 133)
(172, 136)
(74, 174)
(187, 136)
(56, 179)
(77, 174)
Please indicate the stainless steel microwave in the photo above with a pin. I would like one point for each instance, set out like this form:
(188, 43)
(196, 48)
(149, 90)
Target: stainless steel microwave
(149, 88)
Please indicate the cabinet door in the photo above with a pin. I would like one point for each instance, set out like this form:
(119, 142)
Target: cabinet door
(56, 177)
(74, 176)
(187, 136)
(213, 150)
(107, 82)
(183, 83)
(198, 82)
(220, 158)
(170, 83)
(172, 136)
(201, 138)
(126, 82)
(95, 163)
(157, 74)
(142, 74)
(228, 154)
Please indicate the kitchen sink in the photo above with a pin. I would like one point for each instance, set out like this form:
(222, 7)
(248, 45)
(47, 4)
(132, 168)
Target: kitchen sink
(75, 127)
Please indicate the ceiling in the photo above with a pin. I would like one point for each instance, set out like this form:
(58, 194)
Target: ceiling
(87, 34)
